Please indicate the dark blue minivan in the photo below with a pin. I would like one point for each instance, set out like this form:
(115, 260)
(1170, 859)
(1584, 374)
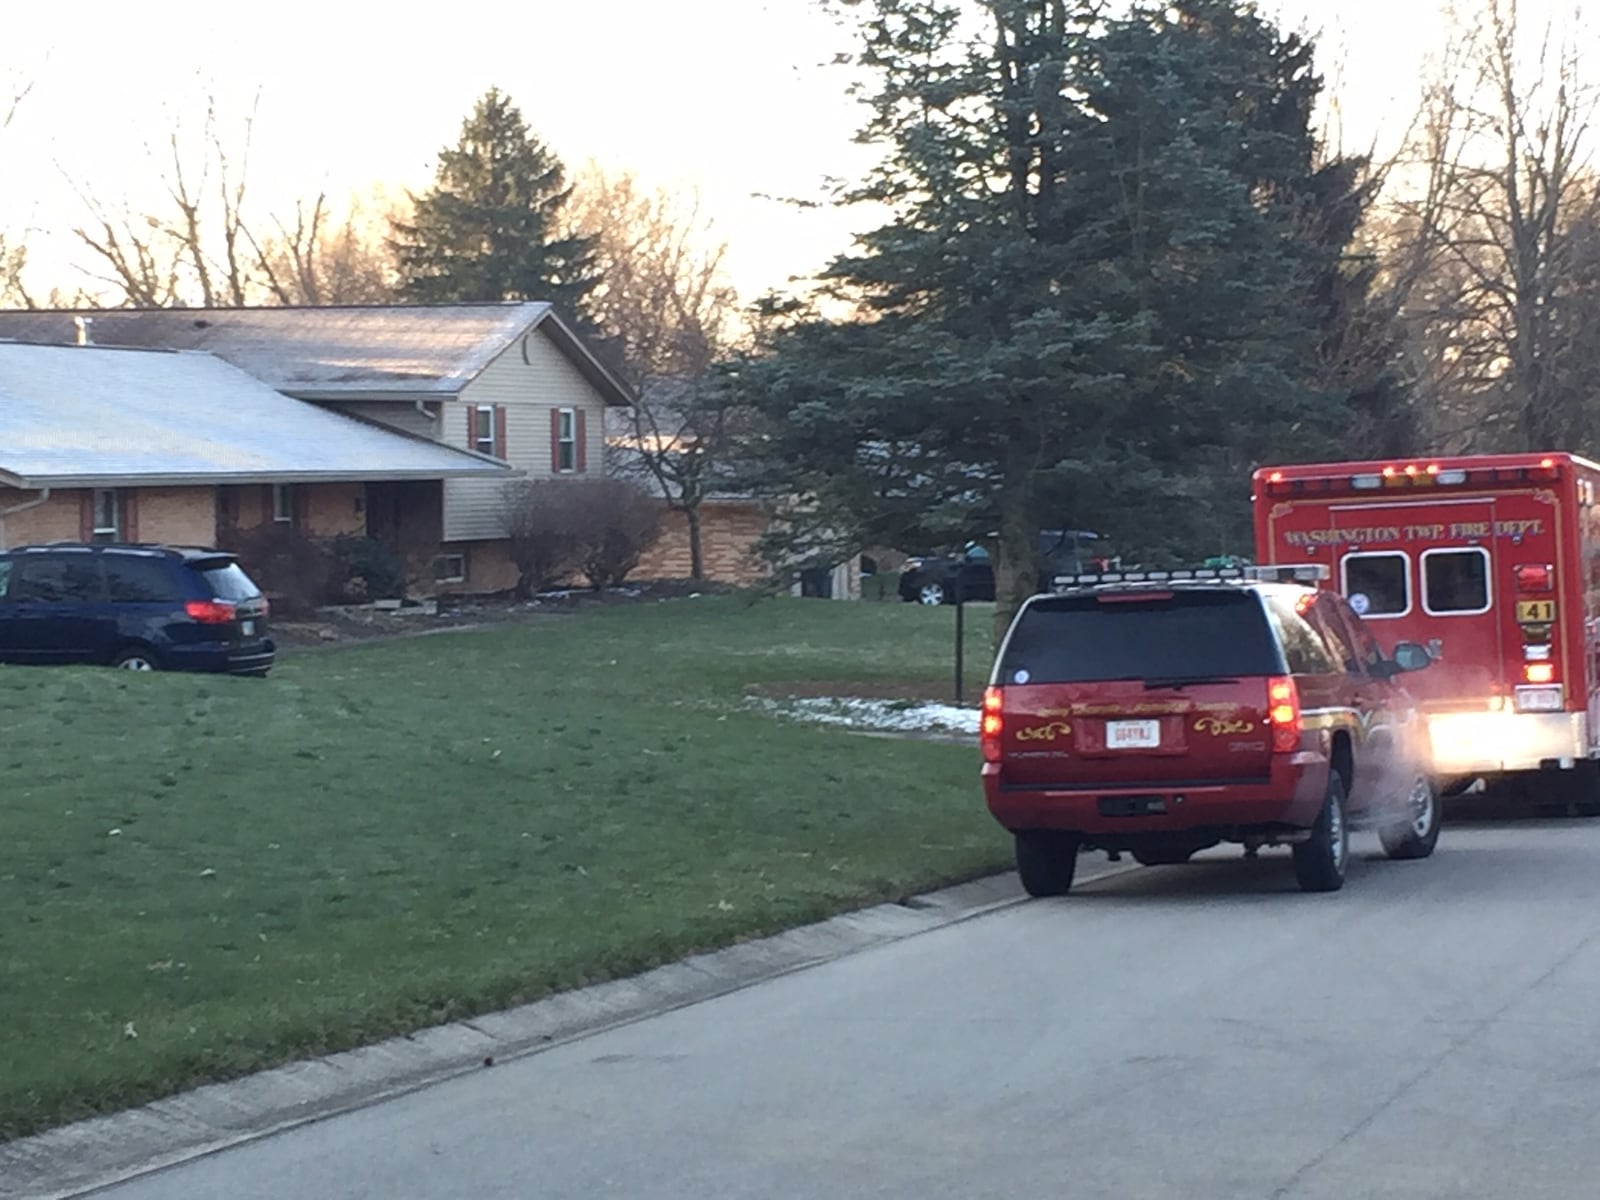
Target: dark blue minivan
(142, 608)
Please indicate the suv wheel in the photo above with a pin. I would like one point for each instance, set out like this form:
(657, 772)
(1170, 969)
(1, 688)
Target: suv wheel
(136, 659)
(1046, 861)
(1416, 836)
(1319, 860)
(931, 593)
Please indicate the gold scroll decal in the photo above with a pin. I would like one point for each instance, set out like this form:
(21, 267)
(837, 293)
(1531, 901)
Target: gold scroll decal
(1218, 727)
(1044, 733)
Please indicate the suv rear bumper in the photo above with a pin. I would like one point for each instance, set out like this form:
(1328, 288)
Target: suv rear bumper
(1291, 797)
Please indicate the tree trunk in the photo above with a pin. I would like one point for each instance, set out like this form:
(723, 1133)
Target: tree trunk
(697, 561)
(1016, 565)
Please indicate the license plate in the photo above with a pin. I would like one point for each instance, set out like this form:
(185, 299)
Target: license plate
(248, 628)
(1536, 612)
(1132, 735)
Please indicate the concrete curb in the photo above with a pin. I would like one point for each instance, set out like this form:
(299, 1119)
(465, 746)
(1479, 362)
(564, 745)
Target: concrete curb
(101, 1151)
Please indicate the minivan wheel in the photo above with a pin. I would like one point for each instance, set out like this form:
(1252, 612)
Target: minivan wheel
(1046, 861)
(1319, 861)
(136, 659)
(1416, 836)
(931, 593)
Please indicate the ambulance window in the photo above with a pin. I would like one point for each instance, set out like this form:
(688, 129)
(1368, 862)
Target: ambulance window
(1455, 582)
(1377, 585)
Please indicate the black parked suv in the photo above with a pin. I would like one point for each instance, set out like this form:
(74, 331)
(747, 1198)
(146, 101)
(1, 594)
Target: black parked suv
(969, 575)
(143, 608)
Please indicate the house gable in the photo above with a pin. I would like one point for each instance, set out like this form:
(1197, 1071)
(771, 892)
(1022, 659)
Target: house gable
(524, 385)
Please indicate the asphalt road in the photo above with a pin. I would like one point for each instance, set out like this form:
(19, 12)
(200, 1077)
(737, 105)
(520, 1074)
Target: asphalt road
(1190, 1032)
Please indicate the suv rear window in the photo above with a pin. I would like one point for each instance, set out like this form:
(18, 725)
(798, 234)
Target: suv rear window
(1199, 634)
(226, 579)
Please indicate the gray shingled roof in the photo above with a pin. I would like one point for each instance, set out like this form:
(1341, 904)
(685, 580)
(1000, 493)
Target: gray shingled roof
(415, 351)
(75, 416)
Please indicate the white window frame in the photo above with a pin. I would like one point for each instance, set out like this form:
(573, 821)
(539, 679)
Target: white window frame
(1488, 581)
(1411, 590)
(566, 440)
(459, 577)
(283, 503)
(478, 438)
(113, 531)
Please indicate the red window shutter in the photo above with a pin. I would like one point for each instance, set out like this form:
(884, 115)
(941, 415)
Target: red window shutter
(472, 427)
(299, 507)
(555, 440)
(583, 447)
(130, 515)
(499, 430)
(267, 510)
(86, 516)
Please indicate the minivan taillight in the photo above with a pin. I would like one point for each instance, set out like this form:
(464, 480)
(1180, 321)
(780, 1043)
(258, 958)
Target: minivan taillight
(993, 722)
(1283, 714)
(211, 612)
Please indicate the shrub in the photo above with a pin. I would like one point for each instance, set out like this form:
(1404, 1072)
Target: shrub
(295, 571)
(366, 569)
(561, 527)
(624, 522)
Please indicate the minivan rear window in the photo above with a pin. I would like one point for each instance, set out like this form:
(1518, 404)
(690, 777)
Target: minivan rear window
(1199, 634)
(227, 579)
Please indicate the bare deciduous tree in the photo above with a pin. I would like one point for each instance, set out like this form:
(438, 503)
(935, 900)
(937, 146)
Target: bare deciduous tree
(666, 304)
(194, 254)
(324, 259)
(1492, 251)
(205, 249)
(13, 256)
(663, 295)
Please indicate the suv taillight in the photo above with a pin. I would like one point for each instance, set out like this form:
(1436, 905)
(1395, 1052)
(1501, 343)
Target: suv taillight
(993, 722)
(211, 612)
(1283, 714)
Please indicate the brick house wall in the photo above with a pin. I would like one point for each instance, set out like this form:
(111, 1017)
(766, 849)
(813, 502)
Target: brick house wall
(729, 531)
(181, 516)
(184, 516)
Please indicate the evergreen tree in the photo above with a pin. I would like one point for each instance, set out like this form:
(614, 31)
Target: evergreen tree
(488, 228)
(1111, 284)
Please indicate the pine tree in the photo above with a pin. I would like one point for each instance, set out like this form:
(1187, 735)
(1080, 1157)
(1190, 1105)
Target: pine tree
(1114, 271)
(487, 230)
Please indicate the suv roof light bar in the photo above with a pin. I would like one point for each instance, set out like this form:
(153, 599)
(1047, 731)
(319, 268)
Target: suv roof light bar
(1308, 573)
(1291, 573)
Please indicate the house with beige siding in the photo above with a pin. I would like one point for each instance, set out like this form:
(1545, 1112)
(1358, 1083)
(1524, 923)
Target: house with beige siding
(509, 382)
(118, 445)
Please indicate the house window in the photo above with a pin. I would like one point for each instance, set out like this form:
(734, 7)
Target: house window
(450, 568)
(483, 439)
(566, 440)
(282, 503)
(107, 515)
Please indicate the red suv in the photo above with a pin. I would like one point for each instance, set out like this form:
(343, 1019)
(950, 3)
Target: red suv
(1161, 714)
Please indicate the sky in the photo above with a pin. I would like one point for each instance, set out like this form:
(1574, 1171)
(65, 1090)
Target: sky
(729, 101)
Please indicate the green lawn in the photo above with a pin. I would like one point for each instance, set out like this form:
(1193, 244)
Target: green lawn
(384, 836)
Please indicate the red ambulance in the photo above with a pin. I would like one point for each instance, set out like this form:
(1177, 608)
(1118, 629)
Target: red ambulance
(1493, 563)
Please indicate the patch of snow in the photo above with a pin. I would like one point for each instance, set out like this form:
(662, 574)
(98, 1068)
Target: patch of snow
(893, 716)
